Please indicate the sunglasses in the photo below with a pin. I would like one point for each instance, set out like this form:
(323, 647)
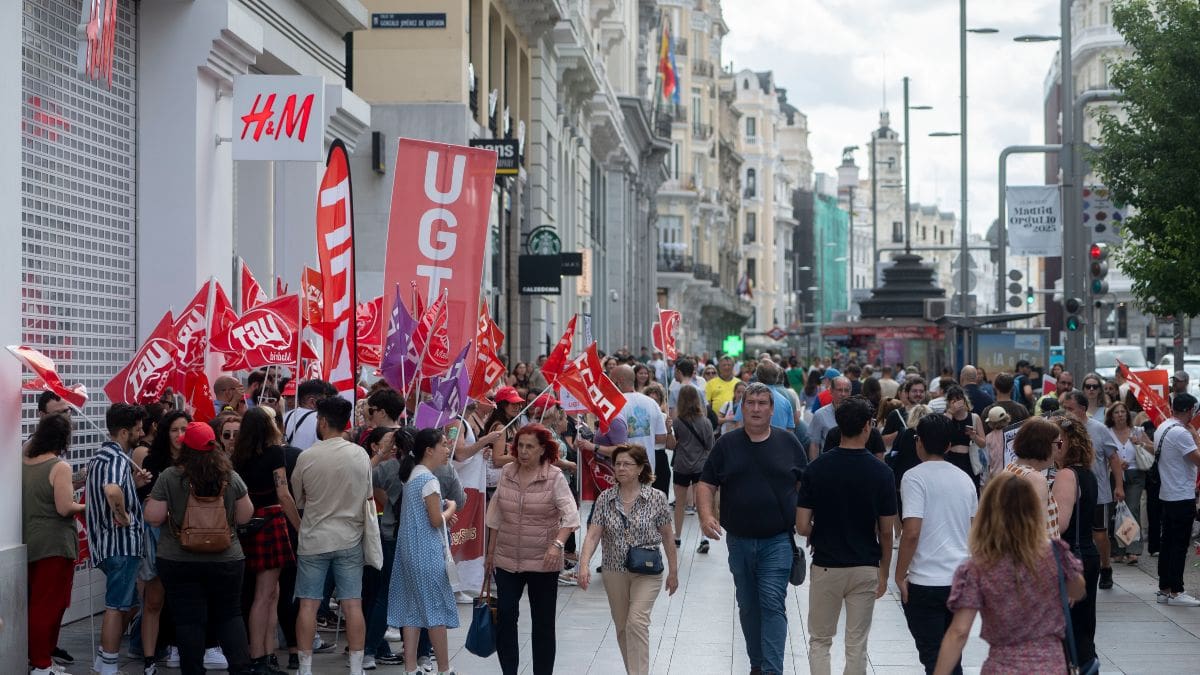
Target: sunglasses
(229, 435)
(1091, 386)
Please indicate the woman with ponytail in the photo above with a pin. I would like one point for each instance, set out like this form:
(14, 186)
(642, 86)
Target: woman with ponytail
(421, 596)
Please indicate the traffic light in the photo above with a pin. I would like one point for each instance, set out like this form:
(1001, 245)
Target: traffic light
(1029, 296)
(1074, 321)
(1098, 254)
(1014, 287)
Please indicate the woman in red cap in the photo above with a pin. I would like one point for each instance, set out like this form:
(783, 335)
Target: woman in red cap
(508, 405)
(203, 589)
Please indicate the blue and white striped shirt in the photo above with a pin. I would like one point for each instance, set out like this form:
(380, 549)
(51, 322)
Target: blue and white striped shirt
(111, 465)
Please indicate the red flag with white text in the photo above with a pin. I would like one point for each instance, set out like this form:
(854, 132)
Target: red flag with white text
(47, 376)
(431, 339)
(335, 250)
(266, 335)
(562, 351)
(584, 377)
(1154, 406)
(251, 294)
(487, 368)
(152, 368)
(662, 333)
(191, 330)
(367, 318)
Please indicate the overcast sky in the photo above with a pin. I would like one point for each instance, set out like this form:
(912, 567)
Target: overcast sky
(835, 58)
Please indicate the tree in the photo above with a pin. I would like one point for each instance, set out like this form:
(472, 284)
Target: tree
(1150, 155)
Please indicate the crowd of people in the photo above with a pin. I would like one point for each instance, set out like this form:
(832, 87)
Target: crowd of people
(224, 543)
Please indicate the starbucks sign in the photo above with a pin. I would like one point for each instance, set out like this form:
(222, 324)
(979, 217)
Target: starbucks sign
(543, 241)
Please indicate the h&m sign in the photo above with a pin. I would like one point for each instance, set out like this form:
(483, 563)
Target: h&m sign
(279, 117)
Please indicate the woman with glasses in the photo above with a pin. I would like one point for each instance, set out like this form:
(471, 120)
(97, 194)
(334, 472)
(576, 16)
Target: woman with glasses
(967, 437)
(226, 427)
(1075, 488)
(1119, 421)
(508, 405)
(631, 514)
(709, 373)
(1093, 388)
(1035, 446)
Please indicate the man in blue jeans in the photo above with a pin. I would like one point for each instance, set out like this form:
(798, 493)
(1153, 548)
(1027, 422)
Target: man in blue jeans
(756, 468)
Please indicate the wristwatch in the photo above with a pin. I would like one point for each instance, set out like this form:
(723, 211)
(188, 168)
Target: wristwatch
(559, 544)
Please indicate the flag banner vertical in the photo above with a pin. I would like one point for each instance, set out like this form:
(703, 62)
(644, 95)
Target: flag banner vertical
(466, 536)
(1034, 214)
(437, 230)
(251, 294)
(557, 360)
(335, 250)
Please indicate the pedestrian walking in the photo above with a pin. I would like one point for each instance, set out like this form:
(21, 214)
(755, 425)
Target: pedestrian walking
(632, 516)
(847, 509)
(755, 470)
(693, 436)
(1034, 446)
(528, 521)
(48, 511)
(968, 438)
(387, 444)
(1009, 549)
(939, 503)
(1119, 421)
(1176, 445)
(203, 588)
(421, 594)
(1110, 477)
(823, 420)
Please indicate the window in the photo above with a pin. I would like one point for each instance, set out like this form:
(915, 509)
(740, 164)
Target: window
(752, 272)
(745, 84)
(751, 127)
(675, 160)
(897, 232)
(751, 234)
(941, 237)
(751, 183)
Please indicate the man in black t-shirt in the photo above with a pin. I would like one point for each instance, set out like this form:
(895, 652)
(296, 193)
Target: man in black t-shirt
(911, 393)
(756, 468)
(847, 509)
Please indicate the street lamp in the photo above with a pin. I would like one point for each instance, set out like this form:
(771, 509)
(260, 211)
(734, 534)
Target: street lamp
(907, 166)
(1036, 38)
(944, 134)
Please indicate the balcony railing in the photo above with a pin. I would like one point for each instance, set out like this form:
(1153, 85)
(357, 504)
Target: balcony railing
(702, 68)
(683, 181)
(674, 262)
(701, 132)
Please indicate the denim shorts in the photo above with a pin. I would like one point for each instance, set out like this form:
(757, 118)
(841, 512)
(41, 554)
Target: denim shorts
(120, 573)
(347, 565)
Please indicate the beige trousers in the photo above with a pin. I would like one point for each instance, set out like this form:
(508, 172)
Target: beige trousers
(829, 588)
(630, 599)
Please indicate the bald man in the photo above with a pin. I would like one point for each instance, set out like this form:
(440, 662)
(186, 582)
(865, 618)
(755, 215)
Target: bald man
(645, 420)
(228, 393)
(968, 377)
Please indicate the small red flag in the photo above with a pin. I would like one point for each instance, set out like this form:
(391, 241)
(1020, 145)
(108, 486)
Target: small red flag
(47, 376)
(557, 361)
(252, 294)
(151, 369)
(585, 379)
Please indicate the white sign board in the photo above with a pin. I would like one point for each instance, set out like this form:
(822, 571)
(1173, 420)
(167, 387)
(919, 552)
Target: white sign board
(1034, 215)
(279, 118)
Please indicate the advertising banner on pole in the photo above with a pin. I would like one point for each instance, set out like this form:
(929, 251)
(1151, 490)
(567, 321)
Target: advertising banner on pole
(1034, 215)
(335, 250)
(437, 230)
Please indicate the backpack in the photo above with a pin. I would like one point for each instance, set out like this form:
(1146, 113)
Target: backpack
(205, 527)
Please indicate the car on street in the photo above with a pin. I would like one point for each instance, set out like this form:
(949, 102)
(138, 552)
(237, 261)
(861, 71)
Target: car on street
(1108, 355)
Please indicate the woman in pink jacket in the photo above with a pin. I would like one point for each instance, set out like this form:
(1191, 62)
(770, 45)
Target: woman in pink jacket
(529, 519)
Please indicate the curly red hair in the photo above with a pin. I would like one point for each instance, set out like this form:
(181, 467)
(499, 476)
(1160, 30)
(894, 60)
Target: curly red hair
(545, 438)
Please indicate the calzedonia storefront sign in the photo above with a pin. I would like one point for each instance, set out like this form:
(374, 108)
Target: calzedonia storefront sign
(401, 20)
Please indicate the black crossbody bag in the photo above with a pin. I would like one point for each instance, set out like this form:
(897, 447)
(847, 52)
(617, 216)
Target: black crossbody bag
(799, 562)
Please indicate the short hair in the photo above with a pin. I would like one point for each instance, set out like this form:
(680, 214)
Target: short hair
(1022, 363)
(954, 392)
(46, 398)
(767, 372)
(638, 454)
(318, 388)
(544, 437)
(1035, 439)
(1183, 403)
(757, 388)
(336, 411)
(912, 381)
(1003, 383)
(123, 416)
(934, 432)
(853, 414)
(388, 401)
(1080, 398)
(853, 369)
(1049, 405)
(256, 377)
(686, 367)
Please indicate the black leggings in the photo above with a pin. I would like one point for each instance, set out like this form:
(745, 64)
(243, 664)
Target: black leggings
(543, 598)
(662, 471)
(206, 594)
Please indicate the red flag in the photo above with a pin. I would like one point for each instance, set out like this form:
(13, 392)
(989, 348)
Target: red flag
(280, 287)
(1151, 402)
(598, 475)
(557, 360)
(486, 368)
(437, 231)
(335, 250)
(662, 333)
(151, 370)
(252, 294)
(367, 317)
(192, 334)
(47, 376)
(198, 394)
(585, 379)
(311, 286)
(431, 339)
(266, 335)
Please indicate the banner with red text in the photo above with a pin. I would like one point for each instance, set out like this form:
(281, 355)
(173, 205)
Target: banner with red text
(466, 536)
(152, 368)
(335, 250)
(437, 230)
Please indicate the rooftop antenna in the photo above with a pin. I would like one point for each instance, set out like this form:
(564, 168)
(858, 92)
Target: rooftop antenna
(883, 81)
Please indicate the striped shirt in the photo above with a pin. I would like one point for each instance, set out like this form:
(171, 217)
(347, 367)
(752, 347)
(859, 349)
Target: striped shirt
(112, 466)
(1052, 528)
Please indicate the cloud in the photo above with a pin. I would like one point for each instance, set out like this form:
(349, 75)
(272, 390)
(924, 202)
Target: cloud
(840, 59)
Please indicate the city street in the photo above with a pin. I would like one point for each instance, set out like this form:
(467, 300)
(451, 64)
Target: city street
(696, 631)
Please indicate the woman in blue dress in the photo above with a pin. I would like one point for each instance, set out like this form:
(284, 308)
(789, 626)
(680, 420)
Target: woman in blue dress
(420, 595)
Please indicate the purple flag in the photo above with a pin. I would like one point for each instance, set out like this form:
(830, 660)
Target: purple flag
(449, 395)
(399, 364)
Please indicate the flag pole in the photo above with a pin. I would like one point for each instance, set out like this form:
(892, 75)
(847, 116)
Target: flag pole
(526, 408)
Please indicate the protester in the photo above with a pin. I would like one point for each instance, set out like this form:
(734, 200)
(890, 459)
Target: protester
(847, 509)
(421, 595)
(642, 376)
(685, 373)
(528, 521)
(48, 511)
(115, 525)
(939, 503)
(300, 424)
(1107, 463)
(693, 435)
(1024, 630)
(1178, 458)
(628, 515)
(203, 588)
(332, 482)
(501, 422)
(1097, 400)
(1034, 446)
(518, 378)
(644, 419)
(258, 458)
(228, 395)
(824, 420)
(388, 444)
(755, 470)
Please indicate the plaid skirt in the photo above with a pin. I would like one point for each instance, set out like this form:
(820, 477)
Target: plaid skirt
(269, 548)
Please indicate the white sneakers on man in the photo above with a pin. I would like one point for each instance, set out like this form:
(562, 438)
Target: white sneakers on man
(1182, 600)
(214, 659)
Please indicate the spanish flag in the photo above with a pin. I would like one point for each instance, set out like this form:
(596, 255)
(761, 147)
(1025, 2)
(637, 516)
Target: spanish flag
(666, 63)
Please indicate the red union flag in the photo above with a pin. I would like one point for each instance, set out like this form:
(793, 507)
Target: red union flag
(263, 336)
(310, 289)
(585, 379)
(198, 394)
(437, 230)
(662, 333)
(252, 294)
(367, 317)
(431, 339)
(191, 329)
(562, 351)
(335, 249)
(151, 370)
(487, 368)
(47, 376)
(1155, 407)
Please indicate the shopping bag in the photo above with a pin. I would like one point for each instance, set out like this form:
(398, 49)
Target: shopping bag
(1126, 528)
(481, 636)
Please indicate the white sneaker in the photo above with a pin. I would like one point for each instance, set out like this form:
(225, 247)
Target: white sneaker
(151, 669)
(369, 662)
(1161, 597)
(214, 659)
(393, 634)
(52, 670)
(1183, 600)
(425, 663)
(172, 660)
